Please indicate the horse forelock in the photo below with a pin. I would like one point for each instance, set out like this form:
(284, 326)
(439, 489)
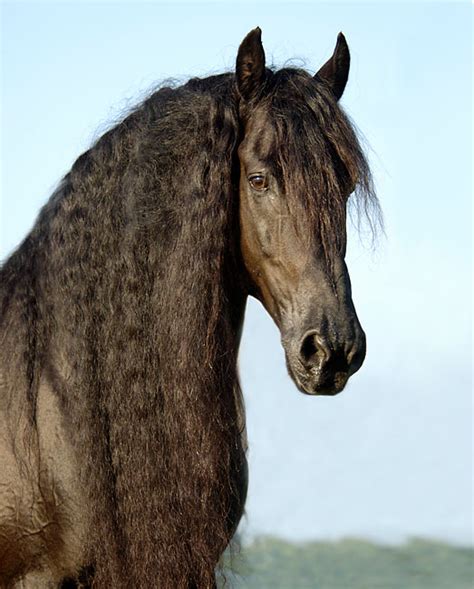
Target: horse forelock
(318, 158)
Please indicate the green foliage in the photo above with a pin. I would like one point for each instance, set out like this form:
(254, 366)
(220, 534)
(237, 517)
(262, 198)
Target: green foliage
(271, 563)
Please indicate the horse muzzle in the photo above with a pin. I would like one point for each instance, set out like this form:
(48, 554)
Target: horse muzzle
(321, 367)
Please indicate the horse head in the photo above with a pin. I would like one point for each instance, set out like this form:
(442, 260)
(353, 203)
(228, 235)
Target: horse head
(299, 162)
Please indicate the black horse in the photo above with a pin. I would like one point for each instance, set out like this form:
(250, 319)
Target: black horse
(122, 438)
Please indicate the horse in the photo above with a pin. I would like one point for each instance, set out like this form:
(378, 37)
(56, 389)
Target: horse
(122, 439)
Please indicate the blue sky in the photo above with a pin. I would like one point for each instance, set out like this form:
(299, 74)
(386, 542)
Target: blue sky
(391, 456)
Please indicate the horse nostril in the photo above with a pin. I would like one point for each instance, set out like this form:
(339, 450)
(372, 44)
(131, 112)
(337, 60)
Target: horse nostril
(308, 348)
(314, 350)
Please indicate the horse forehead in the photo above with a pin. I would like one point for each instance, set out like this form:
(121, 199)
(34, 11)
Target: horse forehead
(259, 139)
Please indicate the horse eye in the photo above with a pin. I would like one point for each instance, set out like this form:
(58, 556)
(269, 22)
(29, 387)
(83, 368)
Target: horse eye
(258, 182)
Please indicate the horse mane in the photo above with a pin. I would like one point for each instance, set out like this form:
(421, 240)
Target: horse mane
(129, 277)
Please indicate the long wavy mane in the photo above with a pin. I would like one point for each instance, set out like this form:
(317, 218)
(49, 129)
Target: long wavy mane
(127, 277)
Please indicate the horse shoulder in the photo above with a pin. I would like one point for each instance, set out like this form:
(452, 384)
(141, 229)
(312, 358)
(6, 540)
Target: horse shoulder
(43, 511)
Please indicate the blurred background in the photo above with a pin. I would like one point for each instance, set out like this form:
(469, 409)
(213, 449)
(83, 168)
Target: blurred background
(390, 459)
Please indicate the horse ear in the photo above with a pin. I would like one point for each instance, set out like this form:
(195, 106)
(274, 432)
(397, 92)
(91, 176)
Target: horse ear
(335, 71)
(250, 65)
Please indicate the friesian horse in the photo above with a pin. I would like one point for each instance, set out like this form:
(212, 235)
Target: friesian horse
(122, 439)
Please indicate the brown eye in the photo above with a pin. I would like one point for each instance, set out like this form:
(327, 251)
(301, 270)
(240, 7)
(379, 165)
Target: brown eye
(258, 182)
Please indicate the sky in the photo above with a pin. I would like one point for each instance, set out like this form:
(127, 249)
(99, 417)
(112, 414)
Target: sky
(391, 456)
